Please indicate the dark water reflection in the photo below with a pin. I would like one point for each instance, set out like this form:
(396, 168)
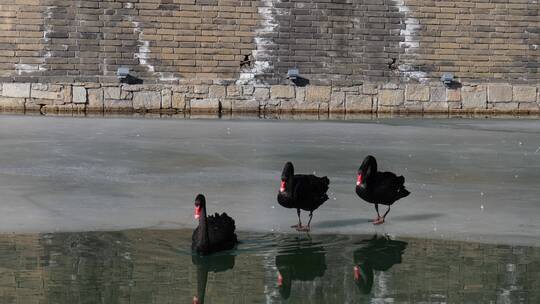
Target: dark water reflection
(152, 266)
(379, 253)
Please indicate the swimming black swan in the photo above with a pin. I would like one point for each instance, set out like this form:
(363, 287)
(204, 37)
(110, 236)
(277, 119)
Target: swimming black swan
(379, 187)
(211, 263)
(214, 233)
(299, 260)
(378, 253)
(301, 191)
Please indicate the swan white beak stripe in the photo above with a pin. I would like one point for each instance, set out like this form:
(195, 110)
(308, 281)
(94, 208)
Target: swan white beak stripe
(282, 187)
(359, 180)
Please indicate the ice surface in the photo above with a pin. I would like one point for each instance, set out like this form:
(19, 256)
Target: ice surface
(469, 179)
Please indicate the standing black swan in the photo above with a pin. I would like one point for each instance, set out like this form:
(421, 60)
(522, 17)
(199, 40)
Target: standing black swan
(214, 233)
(379, 187)
(302, 191)
(378, 253)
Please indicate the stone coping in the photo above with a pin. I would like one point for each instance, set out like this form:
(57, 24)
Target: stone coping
(395, 98)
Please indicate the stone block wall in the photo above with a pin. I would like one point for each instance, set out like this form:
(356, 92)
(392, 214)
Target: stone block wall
(263, 99)
(337, 46)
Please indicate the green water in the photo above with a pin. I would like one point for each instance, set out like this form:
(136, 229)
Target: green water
(156, 266)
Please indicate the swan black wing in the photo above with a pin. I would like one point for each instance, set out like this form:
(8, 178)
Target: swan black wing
(388, 187)
(310, 191)
(221, 231)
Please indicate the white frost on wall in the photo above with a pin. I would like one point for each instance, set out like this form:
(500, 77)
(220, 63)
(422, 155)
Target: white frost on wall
(412, 25)
(23, 68)
(143, 53)
(268, 25)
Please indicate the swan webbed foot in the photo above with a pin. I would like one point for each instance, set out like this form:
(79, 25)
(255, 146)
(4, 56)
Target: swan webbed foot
(378, 221)
(303, 228)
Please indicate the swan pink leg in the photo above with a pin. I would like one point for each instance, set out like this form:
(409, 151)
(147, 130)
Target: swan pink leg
(377, 220)
(299, 225)
(308, 227)
(380, 220)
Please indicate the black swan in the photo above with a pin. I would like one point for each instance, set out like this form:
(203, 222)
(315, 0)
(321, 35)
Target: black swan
(377, 253)
(214, 233)
(302, 191)
(211, 263)
(379, 187)
(299, 261)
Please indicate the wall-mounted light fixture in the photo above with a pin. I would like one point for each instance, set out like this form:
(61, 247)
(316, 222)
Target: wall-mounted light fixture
(122, 73)
(293, 74)
(447, 79)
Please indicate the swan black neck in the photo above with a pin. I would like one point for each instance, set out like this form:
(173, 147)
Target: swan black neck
(368, 167)
(287, 176)
(200, 201)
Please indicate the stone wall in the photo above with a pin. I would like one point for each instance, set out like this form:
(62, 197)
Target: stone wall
(218, 98)
(338, 46)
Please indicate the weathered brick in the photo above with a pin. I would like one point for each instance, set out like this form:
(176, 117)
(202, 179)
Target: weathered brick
(166, 99)
(337, 102)
(111, 105)
(359, 103)
(95, 100)
(499, 93)
(45, 94)
(437, 94)
(505, 106)
(524, 93)
(79, 95)
(261, 93)
(216, 91)
(204, 105)
(436, 106)
(111, 92)
(248, 105)
(147, 100)
(282, 91)
(390, 97)
(474, 97)
(8, 103)
(179, 101)
(318, 93)
(453, 95)
(16, 90)
(417, 92)
(233, 90)
(200, 89)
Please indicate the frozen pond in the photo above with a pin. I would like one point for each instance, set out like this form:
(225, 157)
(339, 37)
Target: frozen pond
(474, 180)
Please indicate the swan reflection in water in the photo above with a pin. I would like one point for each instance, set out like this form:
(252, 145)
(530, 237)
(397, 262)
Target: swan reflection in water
(299, 260)
(218, 262)
(378, 253)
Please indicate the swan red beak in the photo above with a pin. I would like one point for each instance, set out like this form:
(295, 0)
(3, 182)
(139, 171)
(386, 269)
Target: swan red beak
(282, 187)
(197, 214)
(359, 179)
(357, 275)
(195, 300)
(279, 280)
